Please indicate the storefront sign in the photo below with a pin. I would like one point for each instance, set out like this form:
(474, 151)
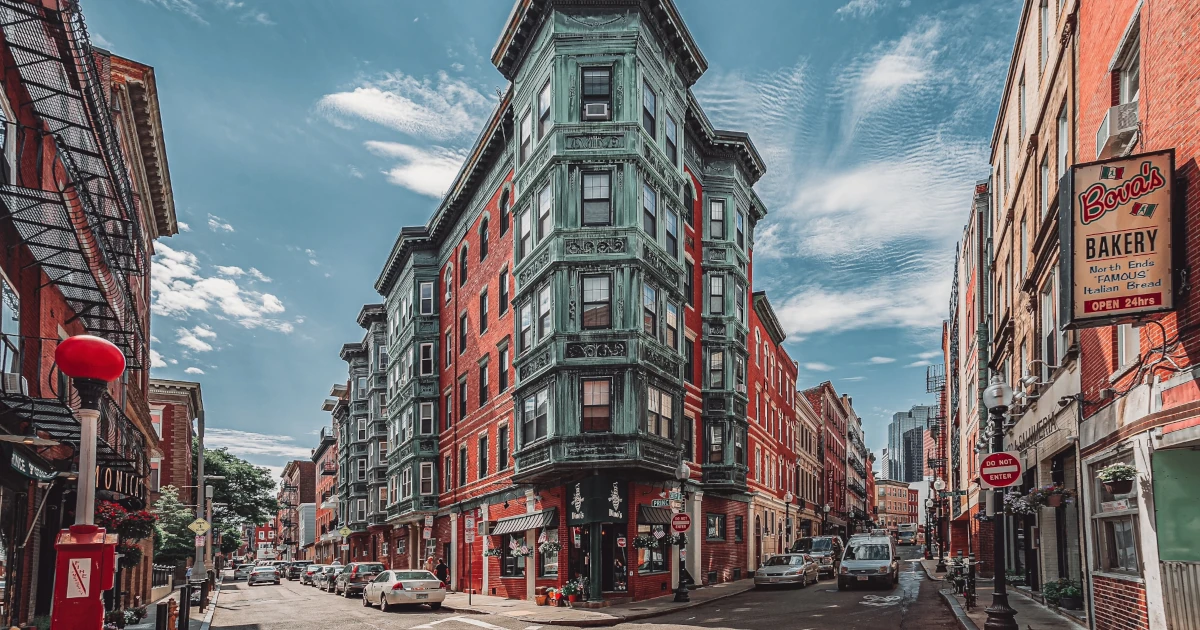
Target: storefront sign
(120, 482)
(597, 500)
(1116, 224)
(1034, 433)
(1115, 506)
(27, 467)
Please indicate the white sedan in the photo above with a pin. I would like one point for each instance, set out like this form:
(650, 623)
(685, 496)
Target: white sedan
(265, 575)
(404, 588)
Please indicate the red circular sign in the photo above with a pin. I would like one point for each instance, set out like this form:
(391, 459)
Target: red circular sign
(681, 523)
(1000, 470)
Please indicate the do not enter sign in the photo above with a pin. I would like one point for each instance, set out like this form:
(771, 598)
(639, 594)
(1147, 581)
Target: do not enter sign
(680, 523)
(1000, 470)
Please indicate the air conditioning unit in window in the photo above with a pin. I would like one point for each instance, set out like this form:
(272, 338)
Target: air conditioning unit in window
(595, 111)
(1117, 130)
(15, 384)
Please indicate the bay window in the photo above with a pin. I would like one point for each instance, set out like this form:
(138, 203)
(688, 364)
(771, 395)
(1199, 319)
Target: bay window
(596, 396)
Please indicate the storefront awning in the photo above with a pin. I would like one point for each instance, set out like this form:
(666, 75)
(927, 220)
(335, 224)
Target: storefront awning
(525, 522)
(653, 515)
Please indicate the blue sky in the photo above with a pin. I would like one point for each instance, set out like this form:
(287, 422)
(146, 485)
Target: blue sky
(302, 134)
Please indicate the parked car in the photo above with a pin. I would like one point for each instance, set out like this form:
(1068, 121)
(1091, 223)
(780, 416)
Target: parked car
(328, 579)
(355, 577)
(827, 550)
(404, 588)
(243, 572)
(788, 568)
(296, 569)
(869, 561)
(260, 575)
(306, 576)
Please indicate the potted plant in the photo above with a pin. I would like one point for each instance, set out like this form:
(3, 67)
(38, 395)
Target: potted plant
(1051, 495)
(572, 589)
(1018, 505)
(1117, 478)
(1071, 596)
(550, 546)
(539, 595)
(644, 541)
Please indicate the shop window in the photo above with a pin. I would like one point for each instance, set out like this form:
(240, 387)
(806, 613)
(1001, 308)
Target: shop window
(1115, 523)
(548, 560)
(651, 560)
(511, 566)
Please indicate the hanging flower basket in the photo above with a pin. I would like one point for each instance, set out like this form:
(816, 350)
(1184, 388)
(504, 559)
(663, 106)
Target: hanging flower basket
(131, 554)
(550, 546)
(1117, 478)
(137, 525)
(1015, 504)
(110, 515)
(521, 551)
(645, 542)
(1051, 495)
(492, 553)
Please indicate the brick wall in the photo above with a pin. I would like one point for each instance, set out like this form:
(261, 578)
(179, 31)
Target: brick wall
(1119, 604)
(721, 557)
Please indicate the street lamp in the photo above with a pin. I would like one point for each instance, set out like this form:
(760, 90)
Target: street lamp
(92, 363)
(787, 520)
(928, 529)
(682, 474)
(1000, 616)
(825, 519)
(940, 486)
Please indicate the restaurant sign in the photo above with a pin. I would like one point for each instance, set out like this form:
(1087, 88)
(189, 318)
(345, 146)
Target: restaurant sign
(1116, 226)
(597, 500)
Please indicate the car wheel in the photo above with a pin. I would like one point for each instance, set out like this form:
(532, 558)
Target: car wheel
(366, 602)
(842, 585)
(435, 606)
(346, 592)
(383, 604)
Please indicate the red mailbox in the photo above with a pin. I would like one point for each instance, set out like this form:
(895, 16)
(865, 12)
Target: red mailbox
(85, 569)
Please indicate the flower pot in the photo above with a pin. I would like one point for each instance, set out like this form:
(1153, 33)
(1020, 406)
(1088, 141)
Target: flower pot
(540, 599)
(1124, 486)
(572, 598)
(1054, 500)
(1071, 602)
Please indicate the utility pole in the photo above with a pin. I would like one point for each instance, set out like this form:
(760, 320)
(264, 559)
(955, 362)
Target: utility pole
(198, 566)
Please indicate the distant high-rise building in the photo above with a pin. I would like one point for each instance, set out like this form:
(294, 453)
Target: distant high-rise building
(885, 463)
(906, 453)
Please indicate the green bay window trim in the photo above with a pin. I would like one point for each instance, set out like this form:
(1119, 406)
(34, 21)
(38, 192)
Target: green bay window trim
(526, 135)
(596, 399)
(649, 309)
(597, 198)
(740, 229)
(406, 483)
(535, 417)
(740, 301)
(669, 140)
(739, 450)
(716, 219)
(596, 90)
(483, 456)
(483, 311)
(716, 369)
(544, 110)
(545, 211)
(671, 330)
(597, 301)
(672, 235)
(714, 527)
(502, 447)
(545, 323)
(649, 109)
(660, 409)
(526, 327)
(427, 360)
(427, 414)
(426, 295)
(649, 211)
(716, 294)
(716, 444)
(525, 228)
(427, 477)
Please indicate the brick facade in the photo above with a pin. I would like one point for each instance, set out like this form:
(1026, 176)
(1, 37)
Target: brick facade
(1120, 604)
(174, 405)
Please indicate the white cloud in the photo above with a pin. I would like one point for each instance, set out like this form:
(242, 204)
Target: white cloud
(439, 109)
(817, 367)
(258, 17)
(458, 67)
(853, 378)
(880, 360)
(865, 8)
(193, 370)
(180, 289)
(230, 271)
(156, 359)
(921, 363)
(250, 444)
(217, 224)
(898, 302)
(186, 7)
(194, 338)
(929, 354)
(425, 171)
(183, 227)
(258, 275)
(354, 172)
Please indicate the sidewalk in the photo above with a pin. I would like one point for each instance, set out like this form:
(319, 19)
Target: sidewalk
(1029, 612)
(524, 610)
(200, 619)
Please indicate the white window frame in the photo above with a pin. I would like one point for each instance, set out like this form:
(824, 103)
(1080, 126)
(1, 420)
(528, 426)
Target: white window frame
(428, 362)
(427, 478)
(426, 302)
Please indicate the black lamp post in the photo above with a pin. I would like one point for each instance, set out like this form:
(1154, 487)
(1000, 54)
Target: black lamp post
(928, 528)
(825, 520)
(683, 473)
(940, 486)
(1000, 616)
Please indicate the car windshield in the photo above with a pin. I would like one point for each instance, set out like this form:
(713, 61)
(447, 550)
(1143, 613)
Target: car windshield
(783, 561)
(415, 575)
(868, 552)
(822, 544)
(803, 545)
(264, 569)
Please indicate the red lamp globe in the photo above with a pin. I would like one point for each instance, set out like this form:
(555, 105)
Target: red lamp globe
(87, 356)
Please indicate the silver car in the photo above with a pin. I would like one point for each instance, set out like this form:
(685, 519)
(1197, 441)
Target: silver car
(404, 588)
(263, 575)
(243, 572)
(788, 568)
(867, 561)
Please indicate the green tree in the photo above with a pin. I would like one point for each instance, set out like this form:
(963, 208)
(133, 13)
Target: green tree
(173, 541)
(246, 489)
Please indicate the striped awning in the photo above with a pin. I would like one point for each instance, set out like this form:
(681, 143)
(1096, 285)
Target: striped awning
(525, 522)
(653, 515)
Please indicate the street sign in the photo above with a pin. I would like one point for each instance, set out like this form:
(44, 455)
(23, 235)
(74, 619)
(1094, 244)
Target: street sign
(470, 537)
(953, 493)
(621, 542)
(675, 496)
(470, 524)
(681, 523)
(677, 506)
(345, 547)
(427, 533)
(200, 526)
(660, 503)
(429, 521)
(1000, 470)
(200, 541)
(345, 531)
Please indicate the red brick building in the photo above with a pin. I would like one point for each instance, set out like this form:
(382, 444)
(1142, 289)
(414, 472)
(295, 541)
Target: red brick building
(297, 487)
(173, 407)
(325, 458)
(834, 412)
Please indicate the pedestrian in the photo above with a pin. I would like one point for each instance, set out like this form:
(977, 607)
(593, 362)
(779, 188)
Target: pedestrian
(442, 571)
(429, 564)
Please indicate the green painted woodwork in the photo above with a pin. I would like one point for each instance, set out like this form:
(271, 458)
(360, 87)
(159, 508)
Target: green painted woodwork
(1176, 511)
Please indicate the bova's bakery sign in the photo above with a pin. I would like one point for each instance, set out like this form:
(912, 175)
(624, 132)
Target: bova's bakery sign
(1116, 225)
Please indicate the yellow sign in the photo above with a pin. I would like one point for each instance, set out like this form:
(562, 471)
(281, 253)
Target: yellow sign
(200, 526)
(345, 531)
(1120, 236)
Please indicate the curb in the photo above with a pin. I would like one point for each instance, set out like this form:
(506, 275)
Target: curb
(960, 615)
(212, 608)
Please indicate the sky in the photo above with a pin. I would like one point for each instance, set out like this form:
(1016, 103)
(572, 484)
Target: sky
(303, 134)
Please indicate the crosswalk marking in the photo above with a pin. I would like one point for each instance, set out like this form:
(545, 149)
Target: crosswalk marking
(466, 620)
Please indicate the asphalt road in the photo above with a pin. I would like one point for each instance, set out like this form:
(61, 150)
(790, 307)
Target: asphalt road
(913, 605)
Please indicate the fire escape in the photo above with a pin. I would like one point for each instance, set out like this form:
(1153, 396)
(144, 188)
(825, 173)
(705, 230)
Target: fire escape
(71, 204)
